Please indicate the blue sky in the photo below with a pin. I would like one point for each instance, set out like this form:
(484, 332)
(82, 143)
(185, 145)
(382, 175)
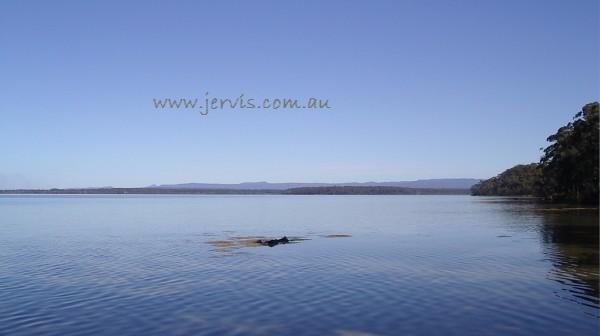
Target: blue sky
(418, 89)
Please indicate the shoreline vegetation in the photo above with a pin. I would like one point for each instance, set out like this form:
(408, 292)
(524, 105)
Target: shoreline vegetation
(329, 190)
(566, 172)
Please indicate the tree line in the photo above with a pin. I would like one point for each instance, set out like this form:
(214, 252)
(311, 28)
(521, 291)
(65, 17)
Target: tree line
(567, 170)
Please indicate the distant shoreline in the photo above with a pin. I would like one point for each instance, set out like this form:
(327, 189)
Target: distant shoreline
(334, 190)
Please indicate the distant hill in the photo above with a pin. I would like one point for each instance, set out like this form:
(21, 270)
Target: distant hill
(418, 187)
(450, 183)
(366, 190)
(330, 190)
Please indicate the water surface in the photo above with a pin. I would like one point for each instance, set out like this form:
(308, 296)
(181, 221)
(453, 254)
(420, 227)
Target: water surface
(379, 265)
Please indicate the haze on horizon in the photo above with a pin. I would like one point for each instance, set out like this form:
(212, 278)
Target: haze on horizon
(418, 90)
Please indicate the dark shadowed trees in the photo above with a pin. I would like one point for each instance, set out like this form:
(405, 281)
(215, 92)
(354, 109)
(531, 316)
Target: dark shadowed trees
(516, 181)
(568, 170)
(570, 164)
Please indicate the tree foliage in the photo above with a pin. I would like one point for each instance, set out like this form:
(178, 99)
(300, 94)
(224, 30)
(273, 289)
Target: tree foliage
(516, 181)
(570, 164)
(568, 170)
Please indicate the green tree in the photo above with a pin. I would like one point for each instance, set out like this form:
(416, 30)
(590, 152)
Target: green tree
(570, 164)
(519, 180)
(568, 170)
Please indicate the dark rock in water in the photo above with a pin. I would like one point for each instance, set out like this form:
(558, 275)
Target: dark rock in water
(273, 242)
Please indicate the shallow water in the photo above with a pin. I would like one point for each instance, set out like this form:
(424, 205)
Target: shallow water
(381, 265)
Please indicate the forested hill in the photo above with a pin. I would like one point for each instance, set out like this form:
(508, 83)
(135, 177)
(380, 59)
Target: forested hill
(518, 180)
(567, 171)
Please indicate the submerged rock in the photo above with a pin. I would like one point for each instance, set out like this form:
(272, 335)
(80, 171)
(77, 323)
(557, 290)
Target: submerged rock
(273, 242)
(233, 243)
(337, 236)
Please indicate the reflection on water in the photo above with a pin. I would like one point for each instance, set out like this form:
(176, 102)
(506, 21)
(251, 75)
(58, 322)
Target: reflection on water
(355, 265)
(571, 243)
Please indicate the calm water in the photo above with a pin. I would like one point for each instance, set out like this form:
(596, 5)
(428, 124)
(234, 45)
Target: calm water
(403, 265)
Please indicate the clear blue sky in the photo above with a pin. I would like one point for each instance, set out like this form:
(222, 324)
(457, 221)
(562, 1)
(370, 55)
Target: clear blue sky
(418, 89)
